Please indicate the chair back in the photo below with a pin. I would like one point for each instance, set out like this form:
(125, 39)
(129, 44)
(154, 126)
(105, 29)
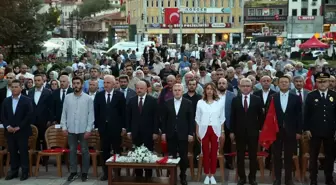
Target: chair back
(94, 140)
(157, 146)
(304, 144)
(55, 138)
(3, 140)
(126, 143)
(191, 147)
(33, 138)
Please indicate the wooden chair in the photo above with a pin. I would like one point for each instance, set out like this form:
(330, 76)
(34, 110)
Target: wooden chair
(305, 155)
(191, 159)
(93, 142)
(261, 155)
(126, 145)
(31, 149)
(3, 151)
(56, 146)
(220, 158)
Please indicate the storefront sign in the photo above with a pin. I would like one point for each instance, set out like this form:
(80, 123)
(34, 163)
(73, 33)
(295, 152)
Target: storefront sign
(306, 18)
(263, 34)
(195, 25)
(205, 10)
(265, 18)
(120, 26)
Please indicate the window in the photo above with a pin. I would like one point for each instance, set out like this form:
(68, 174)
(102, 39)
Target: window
(294, 0)
(215, 19)
(175, 4)
(187, 19)
(240, 19)
(233, 3)
(193, 3)
(222, 19)
(187, 4)
(198, 19)
(148, 19)
(280, 11)
(157, 20)
(157, 3)
(116, 2)
(168, 3)
(304, 11)
(147, 3)
(193, 19)
(230, 3)
(222, 3)
(228, 19)
(314, 12)
(216, 3)
(232, 19)
(294, 12)
(152, 3)
(161, 3)
(241, 3)
(259, 12)
(272, 11)
(211, 19)
(250, 12)
(152, 19)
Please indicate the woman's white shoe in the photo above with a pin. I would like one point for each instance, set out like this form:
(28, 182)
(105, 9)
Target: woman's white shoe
(207, 180)
(213, 180)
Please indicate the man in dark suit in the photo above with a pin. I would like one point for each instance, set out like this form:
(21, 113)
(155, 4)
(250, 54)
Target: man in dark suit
(41, 103)
(15, 116)
(319, 124)
(57, 100)
(6, 91)
(226, 96)
(128, 93)
(178, 128)
(109, 107)
(299, 90)
(265, 94)
(142, 121)
(246, 122)
(289, 114)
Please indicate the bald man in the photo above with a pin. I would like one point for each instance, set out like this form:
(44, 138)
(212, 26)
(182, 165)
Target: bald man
(142, 121)
(109, 108)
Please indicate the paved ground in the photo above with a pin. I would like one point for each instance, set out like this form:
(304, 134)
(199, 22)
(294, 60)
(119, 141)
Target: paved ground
(50, 178)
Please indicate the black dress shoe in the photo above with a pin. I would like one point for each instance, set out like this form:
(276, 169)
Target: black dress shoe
(313, 182)
(253, 182)
(330, 183)
(11, 176)
(24, 177)
(229, 166)
(277, 182)
(184, 182)
(104, 178)
(290, 182)
(241, 182)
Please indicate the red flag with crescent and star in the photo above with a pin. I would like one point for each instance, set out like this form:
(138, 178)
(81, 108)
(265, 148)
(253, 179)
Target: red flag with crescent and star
(172, 16)
(270, 128)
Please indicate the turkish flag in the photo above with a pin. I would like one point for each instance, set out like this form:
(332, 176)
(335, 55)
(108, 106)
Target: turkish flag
(270, 129)
(308, 82)
(121, 2)
(172, 16)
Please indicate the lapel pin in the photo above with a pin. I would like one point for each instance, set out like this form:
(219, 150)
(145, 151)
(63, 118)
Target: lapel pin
(331, 99)
(316, 100)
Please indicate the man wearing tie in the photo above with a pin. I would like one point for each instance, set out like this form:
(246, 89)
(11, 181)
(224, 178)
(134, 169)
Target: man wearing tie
(319, 124)
(288, 108)
(142, 121)
(109, 108)
(15, 116)
(57, 100)
(128, 92)
(298, 90)
(246, 122)
(178, 128)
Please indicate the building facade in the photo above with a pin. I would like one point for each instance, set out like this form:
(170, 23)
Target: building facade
(305, 19)
(201, 21)
(329, 9)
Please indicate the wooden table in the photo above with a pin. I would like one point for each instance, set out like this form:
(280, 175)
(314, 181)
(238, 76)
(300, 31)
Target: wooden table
(129, 180)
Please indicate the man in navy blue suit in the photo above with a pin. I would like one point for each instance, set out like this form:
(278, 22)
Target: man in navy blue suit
(15, 116)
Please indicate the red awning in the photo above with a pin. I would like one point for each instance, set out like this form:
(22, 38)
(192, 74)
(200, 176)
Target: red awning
(313, 43)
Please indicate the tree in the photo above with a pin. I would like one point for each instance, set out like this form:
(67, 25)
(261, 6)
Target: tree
(52, 18)
(94, 6)
(21, 29)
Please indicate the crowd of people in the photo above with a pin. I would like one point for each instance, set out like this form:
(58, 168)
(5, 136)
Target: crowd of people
(218, 96)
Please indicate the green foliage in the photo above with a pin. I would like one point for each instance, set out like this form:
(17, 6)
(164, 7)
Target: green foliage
(21, 29)
(123, 8)
(52, 18)
(93, 6)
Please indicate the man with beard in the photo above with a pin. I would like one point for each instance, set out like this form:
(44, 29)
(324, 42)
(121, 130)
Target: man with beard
(132, 80)
(128, 92)
(77, 123)
(167, 92)
(226, 97)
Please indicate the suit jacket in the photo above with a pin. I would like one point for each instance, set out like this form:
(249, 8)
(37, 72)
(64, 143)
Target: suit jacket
(41, 110)
(21, 117)
(145, 122)
(228, 100)
(259, 93)
(291, 119)
(182, 121)
(57, 105)
(320, 114)
(110, 118)
(130, 93)
(3, 94)
(305, 93)
(246, 123)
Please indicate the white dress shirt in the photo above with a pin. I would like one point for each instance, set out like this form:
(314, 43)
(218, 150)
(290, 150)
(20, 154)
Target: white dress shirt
(143, 99)
(265, 95)
(284, 100)
(15, 102)
(298, 93)
(124, 91)
(9, 92)
(93, 95)
(209, 115)
(37, 95)
(325, 93)
(61, 94)
(106, 95)
(177, 104)
(248, 100)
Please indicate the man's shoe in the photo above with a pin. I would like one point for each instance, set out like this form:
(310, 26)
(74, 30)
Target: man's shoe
(72, 177)
(290, 182)
(11, 176)
(104, 178)
(253, 182)
(313, 182)
(277, 182)
(24, 177)
(241, 182)
(84, 177)
(184, 182)
(330, 183)
(228, 166)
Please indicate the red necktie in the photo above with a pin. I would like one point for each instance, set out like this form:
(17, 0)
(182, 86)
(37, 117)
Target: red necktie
(140, 104)
(245, 104)
(300, 95)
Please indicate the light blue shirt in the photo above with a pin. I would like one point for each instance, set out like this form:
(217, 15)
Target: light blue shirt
(100, 85)
(15, 102)
(284, 100)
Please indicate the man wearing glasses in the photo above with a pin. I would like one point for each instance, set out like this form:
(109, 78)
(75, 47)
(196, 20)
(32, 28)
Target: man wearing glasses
(320, 126)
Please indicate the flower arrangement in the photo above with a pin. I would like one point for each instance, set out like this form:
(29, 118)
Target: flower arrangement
(139, 155)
